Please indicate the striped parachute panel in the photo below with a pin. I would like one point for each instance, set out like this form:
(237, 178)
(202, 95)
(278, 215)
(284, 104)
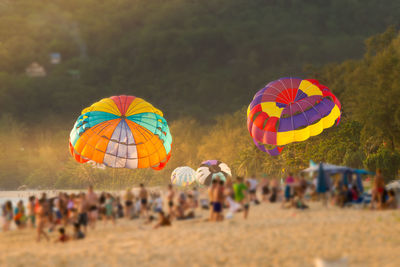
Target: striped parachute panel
(290, 110)
(183, 176)
(121, 132)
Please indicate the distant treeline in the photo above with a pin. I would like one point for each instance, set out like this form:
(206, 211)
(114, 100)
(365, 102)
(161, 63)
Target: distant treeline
(188, 57)
(200, 62)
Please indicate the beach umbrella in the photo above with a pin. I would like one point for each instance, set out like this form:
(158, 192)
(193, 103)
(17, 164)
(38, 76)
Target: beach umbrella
(183, 176)
(290, 110)
(211, 169)
(393, 185)
(121, 132)
(322, 184)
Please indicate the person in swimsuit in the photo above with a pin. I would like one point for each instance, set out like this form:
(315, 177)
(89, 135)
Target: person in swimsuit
(102, 206)
(83, 211)
(219, 199)
(63, 237)
(31, 211)
(252, 184)
(379, 188)
(265, 189)
(41, 219)
(93, 203)
(289, 187)
(143, 194)
(162, 220)
(129, 198)
(214, 184)
(110, 208)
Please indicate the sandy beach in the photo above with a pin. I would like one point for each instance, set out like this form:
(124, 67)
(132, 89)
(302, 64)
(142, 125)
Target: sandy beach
(270, 237)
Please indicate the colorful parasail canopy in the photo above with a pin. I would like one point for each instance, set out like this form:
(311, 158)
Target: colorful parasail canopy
(210, 170)
(183, 176)
(122, 132)
(290, 110)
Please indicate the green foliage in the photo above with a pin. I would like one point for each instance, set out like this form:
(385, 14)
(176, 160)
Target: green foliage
(385, 159)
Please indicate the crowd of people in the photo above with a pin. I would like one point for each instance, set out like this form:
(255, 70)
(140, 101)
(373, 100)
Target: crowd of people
(72, 214)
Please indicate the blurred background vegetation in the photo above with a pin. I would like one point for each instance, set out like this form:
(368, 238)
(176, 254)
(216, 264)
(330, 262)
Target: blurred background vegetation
(200, 62)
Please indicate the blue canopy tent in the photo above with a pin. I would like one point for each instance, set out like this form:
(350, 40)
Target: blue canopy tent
(345, 171)
(322, 183)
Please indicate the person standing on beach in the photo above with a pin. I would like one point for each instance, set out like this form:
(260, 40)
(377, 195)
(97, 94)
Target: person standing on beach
(93, 204)
(19, 215)
(289, 182)
(379, 188)
(265, 189)
(8, 215)
(31, 211)
(143, 195)
(41, 218)
(241, 196)
(170, 199)
(195, 194)
(83, 211)
(110, 208)
(218, 201)
(129, 198)
(252, 183)
(211, 198)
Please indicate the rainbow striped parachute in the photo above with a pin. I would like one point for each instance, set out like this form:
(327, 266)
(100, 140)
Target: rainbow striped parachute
(183, 176)
(290, 110)
(212, 169)
(121, 132)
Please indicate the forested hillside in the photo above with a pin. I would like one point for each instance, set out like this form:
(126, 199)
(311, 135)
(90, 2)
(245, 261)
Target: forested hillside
(189, 57)
(200, 62)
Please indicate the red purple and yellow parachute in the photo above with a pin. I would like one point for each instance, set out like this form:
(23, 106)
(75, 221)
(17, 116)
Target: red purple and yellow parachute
(122, 132)
(290, 110)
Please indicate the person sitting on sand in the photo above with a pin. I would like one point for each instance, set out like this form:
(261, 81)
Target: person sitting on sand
(162, 220)
(181, 207)
(63, 237)
(391, 202)
(78, 234)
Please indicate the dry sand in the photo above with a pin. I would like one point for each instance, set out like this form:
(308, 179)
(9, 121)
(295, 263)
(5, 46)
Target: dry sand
(270, 237)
